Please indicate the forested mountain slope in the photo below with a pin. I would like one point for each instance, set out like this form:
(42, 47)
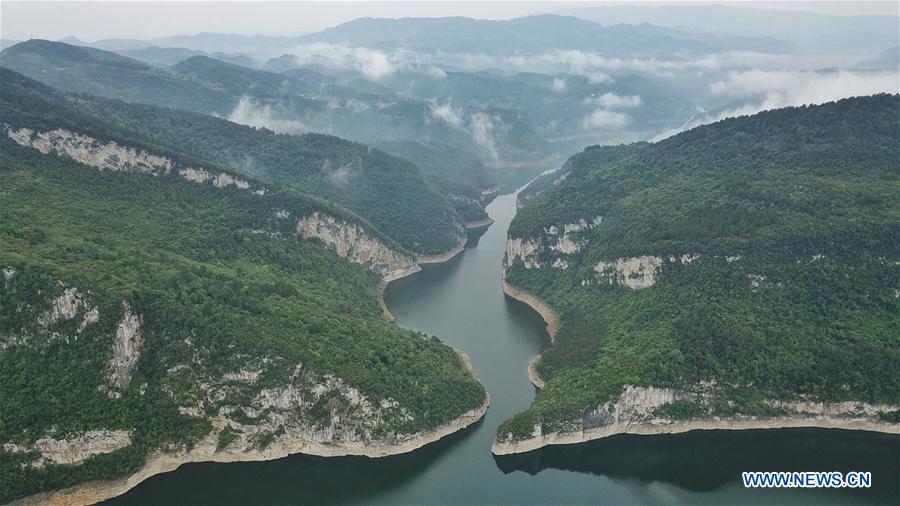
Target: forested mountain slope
(748, 268)
(292, 104)
(459, 175)
(87, 70)
(387, 191)
(536, 33)
(154, 302)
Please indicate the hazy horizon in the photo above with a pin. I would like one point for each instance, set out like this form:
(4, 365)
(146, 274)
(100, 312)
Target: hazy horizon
(92, 21)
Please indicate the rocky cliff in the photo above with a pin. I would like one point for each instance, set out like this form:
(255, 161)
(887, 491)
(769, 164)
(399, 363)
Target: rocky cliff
(348, 240)
(637, 410)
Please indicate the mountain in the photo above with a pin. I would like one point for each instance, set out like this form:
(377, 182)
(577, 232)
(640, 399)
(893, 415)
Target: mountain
(568, 110)
(887, 59)
(738, 274)
(387, 191)
(531, 34)
(88, 70)
(154, 304)
(282, 103)
(457, 174)
(205, 42)
(804, 30)
(158, 56)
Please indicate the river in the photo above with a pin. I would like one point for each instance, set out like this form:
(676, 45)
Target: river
(461, 302)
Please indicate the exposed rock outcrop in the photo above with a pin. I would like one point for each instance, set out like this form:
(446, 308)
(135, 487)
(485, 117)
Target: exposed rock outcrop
(126, 350)
(524, 250)
(634, 272)
(209, 450)
(353, 243)
(635, 411)
(63, 307)
(113, 156)
(73, 449)
(555, 241)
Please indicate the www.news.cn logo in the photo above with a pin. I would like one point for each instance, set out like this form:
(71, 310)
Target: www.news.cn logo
(831, 479)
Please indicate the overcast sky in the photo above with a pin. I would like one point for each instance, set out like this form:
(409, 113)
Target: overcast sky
(90, 21)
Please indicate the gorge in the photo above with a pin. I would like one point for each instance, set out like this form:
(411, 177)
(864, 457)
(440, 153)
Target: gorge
(461, 301)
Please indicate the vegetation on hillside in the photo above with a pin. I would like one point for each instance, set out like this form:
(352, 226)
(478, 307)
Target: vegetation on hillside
(778, 270)
(458, 174)
(224, 287)
(387, 191)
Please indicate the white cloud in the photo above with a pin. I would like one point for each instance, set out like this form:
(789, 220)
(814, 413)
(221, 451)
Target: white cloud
(785, 88)
(372, 63)
(479, 125)
(763, 90)
(599, 78)
(558, 85)
(247, 112)
(436, 72)
(613, 101)
(447, 113)
(603, 119)
(482, 127)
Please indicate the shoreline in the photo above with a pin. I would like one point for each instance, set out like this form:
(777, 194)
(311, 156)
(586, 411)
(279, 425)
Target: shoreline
(550, 318)
(160, 462)
(533, 375)
(479, 224)
(677, 427)
(388, 279)
(446, 256)
(206, 451)
(540, 307)
(416, 267)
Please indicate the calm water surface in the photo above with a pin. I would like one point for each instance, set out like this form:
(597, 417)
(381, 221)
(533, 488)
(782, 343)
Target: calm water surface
(462, 303)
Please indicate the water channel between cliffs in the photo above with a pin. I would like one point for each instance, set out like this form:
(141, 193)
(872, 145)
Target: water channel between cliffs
(462, 303)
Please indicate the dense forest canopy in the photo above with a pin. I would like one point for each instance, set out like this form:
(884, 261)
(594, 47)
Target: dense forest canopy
(389, 192)
(295, 101)
(229, 301)
(757, 254)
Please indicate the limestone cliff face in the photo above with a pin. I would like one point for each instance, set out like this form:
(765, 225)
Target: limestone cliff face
(353, 243)
(633, 272)
(637, 411)
(284, 413)
(112, 156)
(553, 246)
(348, 240)
(249, 415)
(63, 304)
(126, 350)
(73, 449)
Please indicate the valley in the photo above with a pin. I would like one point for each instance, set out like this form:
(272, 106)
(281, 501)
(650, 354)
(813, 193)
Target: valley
(461, 301)
(449, 253)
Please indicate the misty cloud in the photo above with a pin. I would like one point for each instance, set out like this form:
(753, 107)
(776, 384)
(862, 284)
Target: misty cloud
(786, 88)
(614, 101)
(337, 177)
(558, 85)
(479, 125)
(482, 127)
(763, 90)
(436, 72)
(372, 63)
(447, 113)
(603, 120)
(247, 112)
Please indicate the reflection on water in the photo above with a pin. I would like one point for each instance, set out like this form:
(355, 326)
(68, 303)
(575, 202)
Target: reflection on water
(461, 302)
(705, 461)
